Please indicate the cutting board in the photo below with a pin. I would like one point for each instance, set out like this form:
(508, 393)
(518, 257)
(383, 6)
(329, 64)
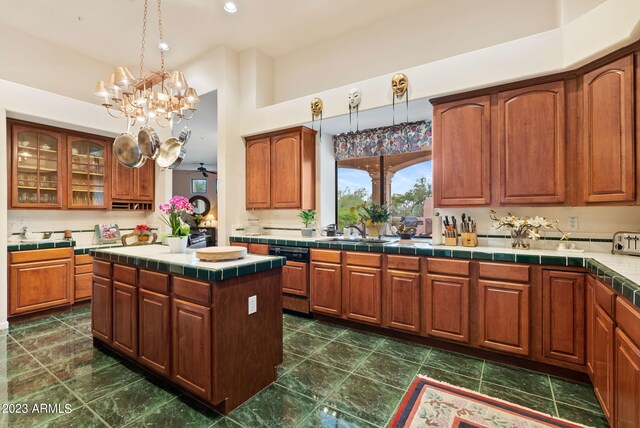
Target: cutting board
(216, 254)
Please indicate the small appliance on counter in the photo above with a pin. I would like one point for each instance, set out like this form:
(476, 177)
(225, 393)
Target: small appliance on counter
(253, 227)
(626, 243)
(330, 230)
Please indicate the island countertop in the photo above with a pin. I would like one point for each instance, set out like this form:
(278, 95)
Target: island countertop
(158, 258)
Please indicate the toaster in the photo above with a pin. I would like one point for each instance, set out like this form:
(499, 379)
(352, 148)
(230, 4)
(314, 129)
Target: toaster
(626, 243)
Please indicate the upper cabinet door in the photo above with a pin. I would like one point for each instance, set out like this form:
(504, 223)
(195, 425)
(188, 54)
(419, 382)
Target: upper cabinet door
(258, 164)
(122, 186)
(144, 181)
(88, 173)
(37, 173)
(532, 144)
(608, 133)
(286, 190)
(462, 153)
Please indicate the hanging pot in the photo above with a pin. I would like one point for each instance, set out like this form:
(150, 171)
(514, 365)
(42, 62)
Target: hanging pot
(172, 151)
(127, 151)
(148, 142)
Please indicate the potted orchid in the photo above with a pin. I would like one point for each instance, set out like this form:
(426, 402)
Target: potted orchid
(173, 210)
(523, 228)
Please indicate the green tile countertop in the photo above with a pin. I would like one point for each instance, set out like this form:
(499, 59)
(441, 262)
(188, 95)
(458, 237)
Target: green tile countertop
(18, 246)
(622, 273)
(157, 257)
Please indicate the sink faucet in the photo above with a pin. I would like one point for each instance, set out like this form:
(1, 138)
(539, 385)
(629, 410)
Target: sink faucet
(23, 234)
(361, 229)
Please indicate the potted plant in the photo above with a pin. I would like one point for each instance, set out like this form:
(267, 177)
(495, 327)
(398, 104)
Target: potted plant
(307, 217)
(143, 231)
(374, 217)
(176, 207)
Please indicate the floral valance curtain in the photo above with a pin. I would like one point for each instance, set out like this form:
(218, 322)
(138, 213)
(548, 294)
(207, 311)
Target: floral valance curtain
(402, 138)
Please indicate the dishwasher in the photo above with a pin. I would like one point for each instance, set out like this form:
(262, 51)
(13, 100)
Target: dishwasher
(295, 277)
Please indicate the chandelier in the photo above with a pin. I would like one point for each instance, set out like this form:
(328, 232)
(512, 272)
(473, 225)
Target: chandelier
(158, 95)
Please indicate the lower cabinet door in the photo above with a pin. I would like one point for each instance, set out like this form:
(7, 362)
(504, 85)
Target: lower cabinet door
(627, 390)
(154, 335)
(363, 294)
(101, 308)
(590, 303)
(295, 278)
(82, 286)
(563, 316)
(39, 285)
(446, 303)
(402, 294)
(603, 339)
(125, 318)
(503, 316)
(326, 288)
(191, 347)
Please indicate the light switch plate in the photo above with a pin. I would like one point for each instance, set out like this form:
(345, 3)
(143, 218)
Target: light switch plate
(253, 304)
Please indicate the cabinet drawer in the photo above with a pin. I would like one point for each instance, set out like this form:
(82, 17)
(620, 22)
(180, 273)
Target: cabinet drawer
(448, 267)
(40, 255)
(189, 289)
(262, 249)
(154, 281)
(364, 259)
(403, 263)
(83, 259)
(239, 244)
(102, 268)
(82, 286)
(326, 256)
(504, 272)
(605, 297)
(628, 319)
(83, 269)
(126, 274)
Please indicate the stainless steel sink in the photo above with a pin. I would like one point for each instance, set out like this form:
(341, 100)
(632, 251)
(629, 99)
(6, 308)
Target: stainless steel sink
(363, 241)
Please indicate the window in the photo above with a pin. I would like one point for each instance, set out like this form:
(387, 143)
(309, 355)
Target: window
(402, 181)
(198, 185)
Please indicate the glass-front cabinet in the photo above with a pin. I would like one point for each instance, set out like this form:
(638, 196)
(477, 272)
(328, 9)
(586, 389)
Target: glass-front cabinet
(87, 174)
(36, 164)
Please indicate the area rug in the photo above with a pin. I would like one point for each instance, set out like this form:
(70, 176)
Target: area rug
(430, 403)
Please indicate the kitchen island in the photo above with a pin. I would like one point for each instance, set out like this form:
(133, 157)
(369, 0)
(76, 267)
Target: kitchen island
(212, 329)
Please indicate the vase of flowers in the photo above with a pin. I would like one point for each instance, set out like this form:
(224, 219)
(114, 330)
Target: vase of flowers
(143, 231)
(307, 217)
(523, 229)
(374, 217)
(174, 210)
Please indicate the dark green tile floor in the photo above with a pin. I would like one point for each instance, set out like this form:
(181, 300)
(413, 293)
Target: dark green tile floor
(331, 377)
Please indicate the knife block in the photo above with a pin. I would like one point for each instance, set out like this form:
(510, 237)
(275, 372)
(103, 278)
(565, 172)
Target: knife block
(469, 239)
(451, 241)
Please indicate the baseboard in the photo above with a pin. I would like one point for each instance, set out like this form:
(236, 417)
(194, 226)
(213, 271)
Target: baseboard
(4, 325)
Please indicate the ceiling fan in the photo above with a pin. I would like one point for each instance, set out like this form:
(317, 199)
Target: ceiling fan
(204, 170)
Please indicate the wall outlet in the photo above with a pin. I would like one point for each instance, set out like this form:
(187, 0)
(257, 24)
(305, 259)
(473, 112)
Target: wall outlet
(253, 304)
(573, 223)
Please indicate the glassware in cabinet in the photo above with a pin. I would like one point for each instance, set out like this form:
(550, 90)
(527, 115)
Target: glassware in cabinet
(87, 173)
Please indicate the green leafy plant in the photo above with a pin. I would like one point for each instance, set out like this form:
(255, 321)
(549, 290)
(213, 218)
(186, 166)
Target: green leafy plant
(372, 213)
(307, 217)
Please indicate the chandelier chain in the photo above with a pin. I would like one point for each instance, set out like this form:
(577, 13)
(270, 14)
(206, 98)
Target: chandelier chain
(161, 36)
(144, 36)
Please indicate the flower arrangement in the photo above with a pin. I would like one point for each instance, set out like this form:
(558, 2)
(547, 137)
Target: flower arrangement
(173, 210)
(142, 228)
(524, 227)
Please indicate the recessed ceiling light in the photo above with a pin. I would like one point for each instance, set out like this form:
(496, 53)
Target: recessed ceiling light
(163, 46)
(230, 7)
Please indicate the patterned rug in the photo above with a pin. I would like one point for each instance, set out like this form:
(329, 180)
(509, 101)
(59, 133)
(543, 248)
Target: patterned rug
(430, 403)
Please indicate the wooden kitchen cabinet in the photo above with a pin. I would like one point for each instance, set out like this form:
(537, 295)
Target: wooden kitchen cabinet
(531, 140)
(462, 146)
(258, 164)
(191, 347)
(133, 185)
(280, 170)
(563, 316)
(590, 309)
(446, 307)
(603, 359)
(101, 308)
(325, 280)
(88, 173)
(295, 278)
(402, 295)
(82, 277)
(608, 139)
(37, 166)
(40, 279)
(627, 376)
(262, 249)
(125, 326)
(504, 316)
(154, 332)
(363, 294)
